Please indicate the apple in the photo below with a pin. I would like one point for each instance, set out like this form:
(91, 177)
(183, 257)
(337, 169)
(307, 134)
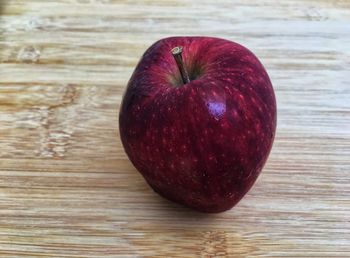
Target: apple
(198, 120)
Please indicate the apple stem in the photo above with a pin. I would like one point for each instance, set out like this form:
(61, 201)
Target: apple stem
(177, 54)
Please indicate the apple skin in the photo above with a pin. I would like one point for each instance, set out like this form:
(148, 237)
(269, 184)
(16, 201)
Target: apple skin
(204, 143)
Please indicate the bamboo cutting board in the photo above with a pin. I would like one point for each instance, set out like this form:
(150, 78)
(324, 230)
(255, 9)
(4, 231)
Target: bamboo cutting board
(67, 188)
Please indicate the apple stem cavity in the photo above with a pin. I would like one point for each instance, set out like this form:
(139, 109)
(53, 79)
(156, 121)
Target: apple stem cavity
(177, 54)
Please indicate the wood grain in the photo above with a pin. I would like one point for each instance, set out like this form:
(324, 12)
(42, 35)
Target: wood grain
(68, 190)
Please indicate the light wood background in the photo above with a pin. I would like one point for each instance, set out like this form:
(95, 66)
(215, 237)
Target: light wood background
(67, 188)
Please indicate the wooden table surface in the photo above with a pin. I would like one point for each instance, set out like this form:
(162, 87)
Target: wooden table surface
(67, 188)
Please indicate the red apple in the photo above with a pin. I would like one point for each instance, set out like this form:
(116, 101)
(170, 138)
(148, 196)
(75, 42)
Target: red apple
(198, 120)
